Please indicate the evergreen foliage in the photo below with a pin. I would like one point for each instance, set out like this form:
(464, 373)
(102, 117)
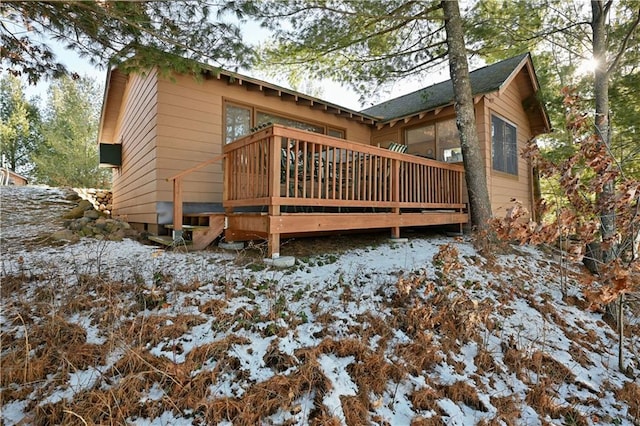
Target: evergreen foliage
(69, 154)
(362, 43)
(166, 34)
(19, 125)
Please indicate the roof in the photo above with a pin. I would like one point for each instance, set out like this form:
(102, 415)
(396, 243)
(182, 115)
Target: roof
(116, 83)
(484, 80)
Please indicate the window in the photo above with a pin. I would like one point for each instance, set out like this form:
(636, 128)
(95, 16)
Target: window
(439, 141)
(336, 133)
(238, 122)
(421, 140)
(264, 117)
(504, 146)
(452, 155)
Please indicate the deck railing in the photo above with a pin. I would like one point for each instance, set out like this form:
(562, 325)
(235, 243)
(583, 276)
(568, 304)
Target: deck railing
(283, 166)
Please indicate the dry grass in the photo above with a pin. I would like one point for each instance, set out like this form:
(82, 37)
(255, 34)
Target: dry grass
(508, 409)
(429, 421)
(540, 399)
(630, 393)
(437, 318)
(420, 355)
(546, 366)
(463, 392)
(484, 361)
(425, 399)
(151, 330)
(356, 411)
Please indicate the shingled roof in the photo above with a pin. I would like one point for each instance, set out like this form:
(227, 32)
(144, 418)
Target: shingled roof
(483, 80)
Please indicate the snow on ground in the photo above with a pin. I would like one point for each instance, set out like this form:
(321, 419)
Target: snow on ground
(426, 332)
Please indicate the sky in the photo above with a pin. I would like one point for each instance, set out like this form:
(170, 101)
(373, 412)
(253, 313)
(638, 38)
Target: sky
(330, 91)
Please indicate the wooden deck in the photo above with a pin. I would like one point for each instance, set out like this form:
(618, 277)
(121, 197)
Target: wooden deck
(306, 182)
(297, 182)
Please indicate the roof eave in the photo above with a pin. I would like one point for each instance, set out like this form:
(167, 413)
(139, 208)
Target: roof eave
(107, 85)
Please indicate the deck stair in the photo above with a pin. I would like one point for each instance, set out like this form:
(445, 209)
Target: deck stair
(200, 229)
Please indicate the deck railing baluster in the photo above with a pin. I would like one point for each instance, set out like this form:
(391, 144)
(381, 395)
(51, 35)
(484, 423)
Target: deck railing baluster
(315, 170)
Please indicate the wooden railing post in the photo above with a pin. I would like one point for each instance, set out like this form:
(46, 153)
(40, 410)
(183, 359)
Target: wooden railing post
(177, 209)
(275, 153)
(177, 194)
(395, 193)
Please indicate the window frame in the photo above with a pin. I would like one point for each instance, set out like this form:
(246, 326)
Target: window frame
(506, 155)
(438, 148)
(224, 117)
(255, 110)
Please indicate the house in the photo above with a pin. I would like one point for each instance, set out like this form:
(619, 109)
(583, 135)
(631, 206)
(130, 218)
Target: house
(9, 177)
(262, 161)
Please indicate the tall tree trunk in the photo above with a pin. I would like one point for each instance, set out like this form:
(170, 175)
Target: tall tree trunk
(601, 92)
(474, 164)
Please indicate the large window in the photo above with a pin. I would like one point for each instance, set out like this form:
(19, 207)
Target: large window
(439, 141)
(239, 120)
(264, 117)
(421, 140)
(504, 145)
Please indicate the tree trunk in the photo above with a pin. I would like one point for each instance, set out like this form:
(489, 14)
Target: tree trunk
(601, 93)
(474, 164)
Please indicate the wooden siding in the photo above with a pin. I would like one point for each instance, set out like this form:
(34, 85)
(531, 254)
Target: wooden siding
(507, 105)
(190, 130)
(504, 187)
(396, 132)
(134, 184)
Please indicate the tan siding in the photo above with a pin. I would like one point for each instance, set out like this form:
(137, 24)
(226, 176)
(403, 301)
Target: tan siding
(385, 135)
(190, 130)
(504, 187)
(134, 184)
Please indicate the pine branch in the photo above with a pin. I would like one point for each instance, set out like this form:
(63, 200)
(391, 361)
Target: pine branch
(625, 42)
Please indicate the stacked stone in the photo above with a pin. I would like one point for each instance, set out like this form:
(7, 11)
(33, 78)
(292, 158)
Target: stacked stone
(101, 199)
(85, 221)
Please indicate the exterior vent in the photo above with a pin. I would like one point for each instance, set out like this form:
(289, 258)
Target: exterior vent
(110, 155)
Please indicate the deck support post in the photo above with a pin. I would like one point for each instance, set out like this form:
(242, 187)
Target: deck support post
(274, 246)
(275, 153)
(177, 209)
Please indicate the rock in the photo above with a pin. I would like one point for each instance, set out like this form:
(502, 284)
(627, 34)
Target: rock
(91, 214)
(72, 196)
(85, 204)
(89, 221)
(281, 262)
(64, 235)
(231, 245)
(74, 213)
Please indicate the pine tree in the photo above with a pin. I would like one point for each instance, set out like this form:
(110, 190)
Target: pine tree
(19, 125)
(368, 44)
(69, 154)
(132, 35)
